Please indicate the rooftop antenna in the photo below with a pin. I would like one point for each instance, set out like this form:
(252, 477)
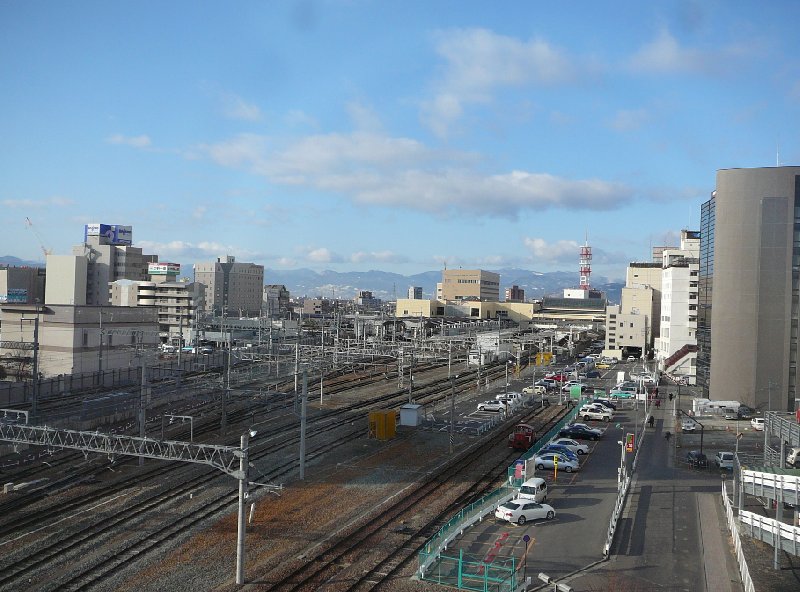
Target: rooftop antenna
(777, 155)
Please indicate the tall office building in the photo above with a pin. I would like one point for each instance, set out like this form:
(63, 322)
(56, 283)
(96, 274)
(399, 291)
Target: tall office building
(756, 287)
(233, 288)
(110, 257)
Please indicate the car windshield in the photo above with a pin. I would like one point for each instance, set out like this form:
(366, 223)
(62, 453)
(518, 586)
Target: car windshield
(510, 506)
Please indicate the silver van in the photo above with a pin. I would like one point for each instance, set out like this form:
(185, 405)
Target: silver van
(535, 489)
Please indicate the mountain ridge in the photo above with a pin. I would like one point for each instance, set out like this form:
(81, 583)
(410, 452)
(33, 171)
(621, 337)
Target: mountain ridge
(388, 285)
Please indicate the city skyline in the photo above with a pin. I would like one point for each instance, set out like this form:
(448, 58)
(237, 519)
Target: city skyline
(355, 135)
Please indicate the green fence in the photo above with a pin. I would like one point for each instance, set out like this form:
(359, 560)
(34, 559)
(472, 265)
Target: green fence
(465, 572)
(470, 573)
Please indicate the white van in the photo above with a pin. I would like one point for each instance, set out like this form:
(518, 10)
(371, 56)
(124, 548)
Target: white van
(793, 458)
(535, 489)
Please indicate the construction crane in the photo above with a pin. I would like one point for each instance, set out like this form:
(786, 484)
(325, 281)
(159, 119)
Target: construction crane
(30, 225)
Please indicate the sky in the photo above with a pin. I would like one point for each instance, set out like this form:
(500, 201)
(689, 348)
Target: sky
(402, 136)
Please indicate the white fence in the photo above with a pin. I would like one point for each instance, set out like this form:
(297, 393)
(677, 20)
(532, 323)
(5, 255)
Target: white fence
(744, 572)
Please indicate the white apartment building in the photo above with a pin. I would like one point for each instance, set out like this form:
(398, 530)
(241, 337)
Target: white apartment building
(676, 346)
(175, 301)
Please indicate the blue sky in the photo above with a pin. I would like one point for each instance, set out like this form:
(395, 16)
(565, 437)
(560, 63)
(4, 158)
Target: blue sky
(402, 136)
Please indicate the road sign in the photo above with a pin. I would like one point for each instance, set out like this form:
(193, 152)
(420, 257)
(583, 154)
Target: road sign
(629, 443)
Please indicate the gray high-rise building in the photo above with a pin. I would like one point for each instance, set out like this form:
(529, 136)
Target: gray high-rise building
(233, 288)
(754, 268)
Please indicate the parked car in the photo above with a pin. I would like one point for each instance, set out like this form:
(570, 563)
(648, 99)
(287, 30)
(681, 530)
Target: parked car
(522, 510)
(757, 423)
(492, 406)
(631, 358)
(697, 459)
(578, 433)
(688, 424)
(573, 445)
(620, 394)
(548, 460)
(589, 413)
(605, 403)
(745, 412)
(793, 457)
(724, 460)
(592, 374)
(534, 390)
(534, 489)
(557, 448)
(597, 431)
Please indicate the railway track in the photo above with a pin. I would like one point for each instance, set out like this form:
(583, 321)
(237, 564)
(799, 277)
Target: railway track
(334, 428)
(325, 571)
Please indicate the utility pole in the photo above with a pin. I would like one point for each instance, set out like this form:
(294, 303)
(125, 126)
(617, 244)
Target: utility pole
(452, 411)
(223, 425)
(411, 376)
(143, 405)
(100, 352)
(303, 405)
(35, 396)
(321, 360)
(180, 345)
(296, 364)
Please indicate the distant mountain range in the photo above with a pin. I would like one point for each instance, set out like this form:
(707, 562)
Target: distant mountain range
(387, 286)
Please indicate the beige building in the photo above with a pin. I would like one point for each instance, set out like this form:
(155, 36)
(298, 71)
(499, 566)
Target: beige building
(751, 259)
(463, 284)
(647, 275)
(628, 325)
(66, 279)
(233, 288)
(511, 311)
(77, 339)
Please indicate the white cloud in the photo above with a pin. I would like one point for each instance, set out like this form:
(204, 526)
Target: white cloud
(235, 107)
(369, 168)
(322, 255)
(364, 118)
(296, 117)
(477, 62)
(142, 141)
(377, 257)
(182, 250)
(628, 120)
(554, 252)
(199, 212)
(665, 55)
(56, 200)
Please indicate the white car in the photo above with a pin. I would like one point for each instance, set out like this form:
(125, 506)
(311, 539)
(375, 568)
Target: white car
(522, 510)
(534, 390)
(688, 425)
(757, 423)
(573, 445)
(588, 413)
(491, 406)
(548, 460)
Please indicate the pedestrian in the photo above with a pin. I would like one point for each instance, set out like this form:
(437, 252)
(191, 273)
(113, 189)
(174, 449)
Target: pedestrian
(667, 436)
(651, 420)
(658, 403)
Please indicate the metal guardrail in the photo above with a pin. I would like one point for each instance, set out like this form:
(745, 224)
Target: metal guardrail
(778, 534)
(783, 426)
(784, 488)
(619, 504)
(744, 572)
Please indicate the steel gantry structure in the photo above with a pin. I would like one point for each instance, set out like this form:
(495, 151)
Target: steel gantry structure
(228, 459)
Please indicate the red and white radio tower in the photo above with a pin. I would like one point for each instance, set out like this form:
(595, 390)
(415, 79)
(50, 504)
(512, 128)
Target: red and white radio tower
(586, 265)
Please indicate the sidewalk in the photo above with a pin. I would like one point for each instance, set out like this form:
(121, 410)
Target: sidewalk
(672, 534)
